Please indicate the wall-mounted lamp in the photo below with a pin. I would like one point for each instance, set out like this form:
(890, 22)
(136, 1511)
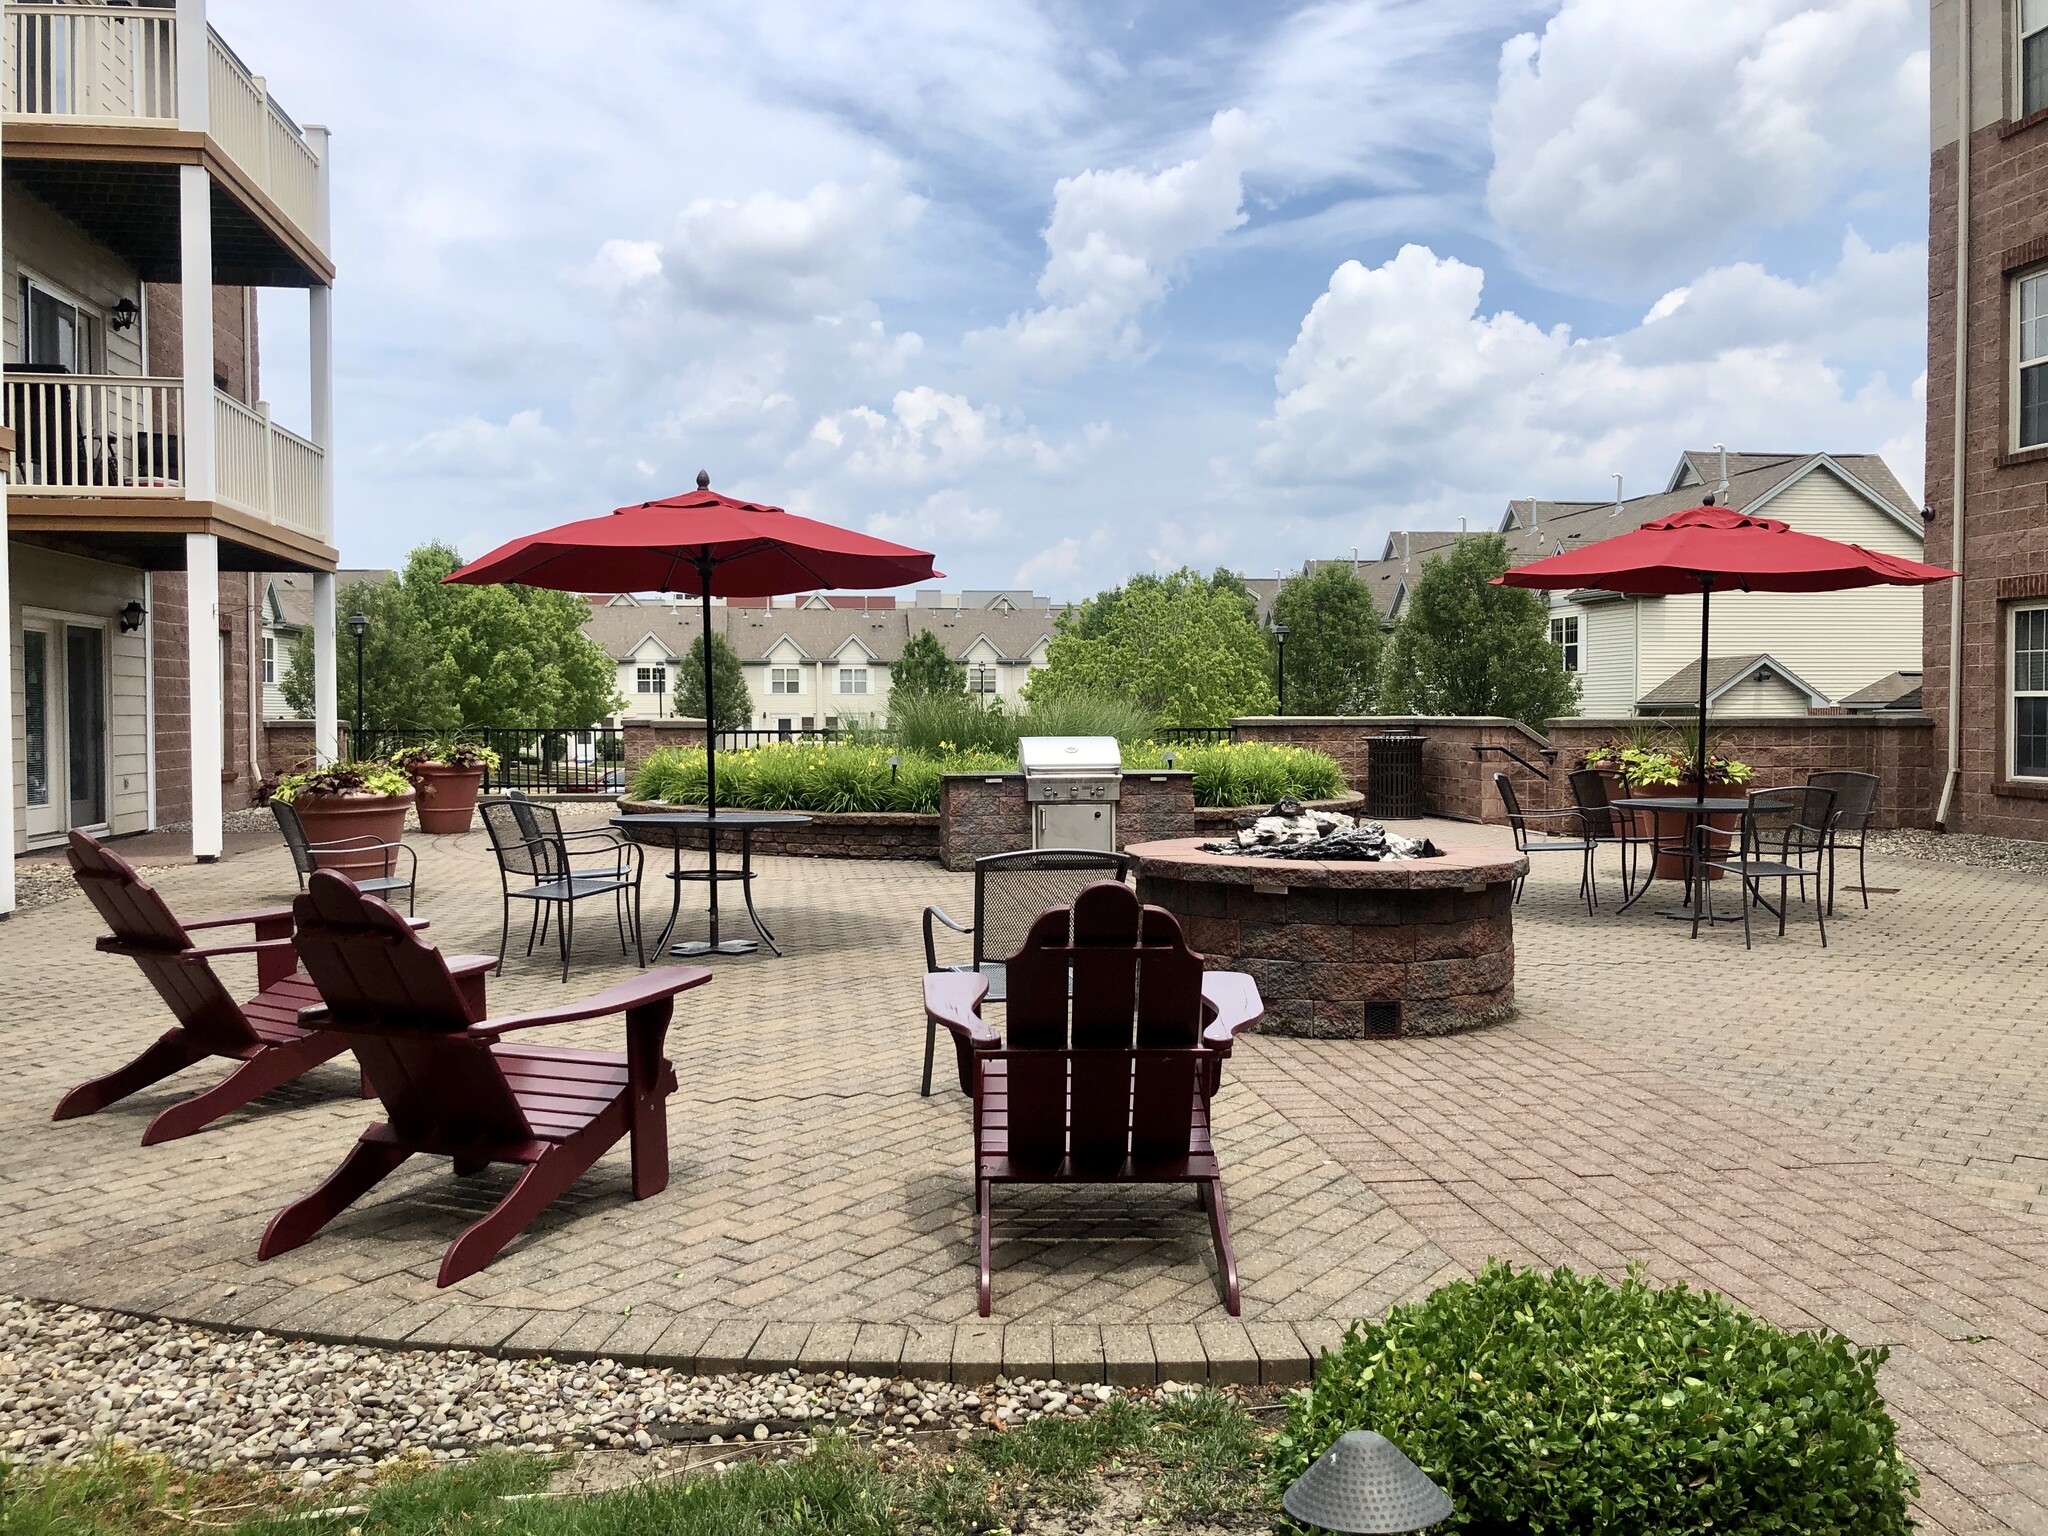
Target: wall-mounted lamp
(132, 617)
(123, 315)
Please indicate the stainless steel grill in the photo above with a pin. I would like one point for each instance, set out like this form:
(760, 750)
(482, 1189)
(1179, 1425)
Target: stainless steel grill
(1072, 784)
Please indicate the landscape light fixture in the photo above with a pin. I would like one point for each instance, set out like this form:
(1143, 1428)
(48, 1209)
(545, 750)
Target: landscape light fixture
(1280, 633)
(1364, 1484)
(1171, 757)
(132, 617)
(895, 762)
(359, 626)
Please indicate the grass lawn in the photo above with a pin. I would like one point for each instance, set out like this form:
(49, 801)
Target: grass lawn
(1171, 1464)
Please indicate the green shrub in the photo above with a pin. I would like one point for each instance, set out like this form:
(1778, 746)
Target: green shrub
(1246, 772)
(1086, 714)
(809, 776)
(961, 722)
(1563, 1404)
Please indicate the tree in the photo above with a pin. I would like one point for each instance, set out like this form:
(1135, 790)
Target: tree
(1466, 647)
(1184, 646)
(449, 658)
(734, 706)
(925, 670)
(1333, 643)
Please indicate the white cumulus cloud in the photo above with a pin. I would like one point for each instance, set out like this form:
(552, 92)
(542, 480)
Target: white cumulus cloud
(1639, 139)
(1115, 242)
(1399, 382)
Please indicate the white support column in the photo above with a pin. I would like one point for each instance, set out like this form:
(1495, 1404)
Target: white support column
(320, 360)
(195, 298)
(193, 97)
(7, 708)
(326, 733)
(202, 632)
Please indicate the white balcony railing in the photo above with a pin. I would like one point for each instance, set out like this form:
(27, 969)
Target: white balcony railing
(265, 470)
(108, 64)
(110, 437)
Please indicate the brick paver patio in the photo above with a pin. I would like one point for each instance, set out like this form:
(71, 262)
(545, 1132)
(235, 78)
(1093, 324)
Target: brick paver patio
(1852, 1137)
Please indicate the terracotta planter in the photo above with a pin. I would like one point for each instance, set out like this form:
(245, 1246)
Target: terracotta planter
(327, 818)
(447, 795)
(1672, 826)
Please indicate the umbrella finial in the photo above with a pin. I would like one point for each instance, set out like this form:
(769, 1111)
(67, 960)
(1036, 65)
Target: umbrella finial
(703, 479)
(1707, 500)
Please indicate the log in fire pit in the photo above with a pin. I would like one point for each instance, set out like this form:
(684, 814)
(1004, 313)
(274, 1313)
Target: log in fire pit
(1382, 938)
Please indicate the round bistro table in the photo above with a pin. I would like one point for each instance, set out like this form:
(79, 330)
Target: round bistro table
(1694, 811)
(671, 826)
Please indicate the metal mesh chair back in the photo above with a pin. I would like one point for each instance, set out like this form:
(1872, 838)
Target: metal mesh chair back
(518, 840)
(1012, 889)
(1589, 794)
(1788, 820)
(294, 832)
(1855, 796)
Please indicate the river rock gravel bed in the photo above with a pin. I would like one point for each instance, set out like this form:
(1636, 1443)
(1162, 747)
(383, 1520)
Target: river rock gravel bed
(1969, 848)
(73, 1379)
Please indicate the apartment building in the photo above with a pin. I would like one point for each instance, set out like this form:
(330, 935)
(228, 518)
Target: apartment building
(148, 184)
(820, 661)
(1986, 640)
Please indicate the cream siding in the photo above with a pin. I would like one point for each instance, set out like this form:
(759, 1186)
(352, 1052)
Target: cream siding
(1607, 657)
(1837, 641)
(64, 256)
(1772, 696)
(64, 586)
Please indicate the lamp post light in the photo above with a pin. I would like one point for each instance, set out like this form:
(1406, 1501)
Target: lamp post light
(359, 626)
(1363, 1483)
(1280, 633)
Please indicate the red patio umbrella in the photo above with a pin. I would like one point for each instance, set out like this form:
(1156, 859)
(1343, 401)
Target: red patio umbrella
(1709, 549)
(708, 544)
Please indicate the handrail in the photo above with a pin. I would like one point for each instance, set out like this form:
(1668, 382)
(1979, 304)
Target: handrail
(1549, 754)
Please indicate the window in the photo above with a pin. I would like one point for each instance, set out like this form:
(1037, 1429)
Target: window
(981, 679)
(2032, 353)
(269, 660)
(853, 679)
(650, 679)
(2033, 56)
(785, 680)
(56, 333)
(2030, 692)
(1564, 634)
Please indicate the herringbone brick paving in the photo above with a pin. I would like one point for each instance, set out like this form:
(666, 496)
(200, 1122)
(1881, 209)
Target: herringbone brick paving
(1856, 1137)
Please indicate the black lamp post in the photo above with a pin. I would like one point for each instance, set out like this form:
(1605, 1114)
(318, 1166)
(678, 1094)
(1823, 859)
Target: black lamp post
(359, 626)
(1280, 633)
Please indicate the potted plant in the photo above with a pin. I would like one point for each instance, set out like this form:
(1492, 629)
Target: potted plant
(1664, 771)
(448, 776)
(363, 802)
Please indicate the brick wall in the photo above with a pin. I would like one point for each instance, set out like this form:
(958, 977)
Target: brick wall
(287, 747)
(1904, 751)
(2005, 551)
(1460, 754)
(646, 736)
(239, 621)
(981, 814)
(829, 835)
(236, 363)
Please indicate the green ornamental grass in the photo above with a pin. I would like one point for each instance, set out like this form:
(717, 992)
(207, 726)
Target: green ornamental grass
(855, 775)
(1561, 1403)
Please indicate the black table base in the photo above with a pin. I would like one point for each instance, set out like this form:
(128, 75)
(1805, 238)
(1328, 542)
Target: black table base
(674, 825)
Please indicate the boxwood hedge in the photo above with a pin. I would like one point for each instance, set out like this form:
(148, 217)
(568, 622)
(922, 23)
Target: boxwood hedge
(1563, 1403)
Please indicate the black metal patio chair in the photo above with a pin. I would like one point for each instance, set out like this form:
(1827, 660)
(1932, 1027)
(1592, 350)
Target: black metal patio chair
(401, 861)
(1855, 801)
(1533, 837)
(1010, 891)
(1783, 836)
(1609, 824)
(537, 863)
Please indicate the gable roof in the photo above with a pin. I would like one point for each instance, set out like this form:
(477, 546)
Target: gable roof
(1723, 673)
(1896, 690)
(293, 592)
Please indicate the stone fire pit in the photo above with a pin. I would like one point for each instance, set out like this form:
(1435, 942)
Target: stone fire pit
(1347, 950)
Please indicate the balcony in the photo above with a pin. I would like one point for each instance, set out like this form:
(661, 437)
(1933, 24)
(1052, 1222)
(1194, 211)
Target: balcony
(119, 439)
(105, 66)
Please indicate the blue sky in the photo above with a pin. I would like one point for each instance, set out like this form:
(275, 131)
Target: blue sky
(1064, 291)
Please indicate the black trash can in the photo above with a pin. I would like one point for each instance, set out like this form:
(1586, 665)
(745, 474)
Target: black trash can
(1393, 777)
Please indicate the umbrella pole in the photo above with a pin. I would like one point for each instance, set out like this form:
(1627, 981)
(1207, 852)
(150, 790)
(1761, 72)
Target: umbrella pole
(1700, 752)
(704, 569)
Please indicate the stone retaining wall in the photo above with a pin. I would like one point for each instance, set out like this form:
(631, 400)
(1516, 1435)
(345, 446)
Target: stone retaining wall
(645, 736)
(1460, 755)
(828, 835)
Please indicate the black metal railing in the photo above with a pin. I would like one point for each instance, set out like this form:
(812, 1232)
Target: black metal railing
(1190, 735)
(1548, 754)
(563, 760)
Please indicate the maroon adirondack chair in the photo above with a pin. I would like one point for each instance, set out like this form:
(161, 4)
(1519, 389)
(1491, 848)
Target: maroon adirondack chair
(263, 1034)
(452, 1090)
(1121, 1097)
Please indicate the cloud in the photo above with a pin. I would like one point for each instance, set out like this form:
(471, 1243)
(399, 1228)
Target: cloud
(929, 434)
(1398, 382)
(1056, 565)
(1637, 141)
(1116, 240)
(786, 257)
(942, 518)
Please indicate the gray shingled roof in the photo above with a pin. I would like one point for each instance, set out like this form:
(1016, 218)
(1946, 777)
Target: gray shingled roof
(295, 591)
(1897, 690)
(1683, 686)
(754, 632)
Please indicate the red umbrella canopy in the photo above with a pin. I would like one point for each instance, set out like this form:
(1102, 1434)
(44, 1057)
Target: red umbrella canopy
(747, 549)
(1722, 550)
